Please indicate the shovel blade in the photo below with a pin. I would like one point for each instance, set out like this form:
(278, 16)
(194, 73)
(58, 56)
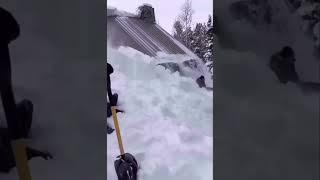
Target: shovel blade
(126, 167)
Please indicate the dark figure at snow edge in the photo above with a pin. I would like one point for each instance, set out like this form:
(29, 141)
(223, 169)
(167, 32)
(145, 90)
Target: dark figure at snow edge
(283, 65)
(201, 82)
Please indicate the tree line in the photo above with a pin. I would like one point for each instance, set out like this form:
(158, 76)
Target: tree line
(199, 38)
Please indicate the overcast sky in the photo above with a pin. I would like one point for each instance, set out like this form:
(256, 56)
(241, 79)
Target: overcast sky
(167, 10)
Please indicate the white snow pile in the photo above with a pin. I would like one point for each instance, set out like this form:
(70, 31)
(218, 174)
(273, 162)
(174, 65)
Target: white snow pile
(113, 11)
(195, 69)
(69, 109)
(167, 124)
(263, 116)
(147, 4)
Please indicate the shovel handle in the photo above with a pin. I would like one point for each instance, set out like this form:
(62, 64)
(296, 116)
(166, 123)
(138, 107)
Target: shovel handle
(20, 155)
(116, 125)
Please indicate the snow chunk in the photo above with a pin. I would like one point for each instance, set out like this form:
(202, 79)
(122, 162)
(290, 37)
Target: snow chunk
(167, 124)
(147, 4)
(112, 11)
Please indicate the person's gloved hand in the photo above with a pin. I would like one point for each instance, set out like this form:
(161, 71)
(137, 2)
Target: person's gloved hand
(46, 155)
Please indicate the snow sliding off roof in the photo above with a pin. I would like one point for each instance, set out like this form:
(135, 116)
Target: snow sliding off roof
(141, 32)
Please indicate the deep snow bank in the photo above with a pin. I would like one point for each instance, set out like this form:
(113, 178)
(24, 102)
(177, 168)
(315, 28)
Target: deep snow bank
(68, 121)
(113, 11)
(60, 67)
(168, 119)
(264, 129)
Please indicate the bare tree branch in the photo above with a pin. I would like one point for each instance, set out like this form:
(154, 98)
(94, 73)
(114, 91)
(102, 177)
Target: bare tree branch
(186, 14)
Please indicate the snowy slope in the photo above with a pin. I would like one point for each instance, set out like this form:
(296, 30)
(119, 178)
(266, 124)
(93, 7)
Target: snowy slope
(272, 128)
(168, 119)
(64, 75)
(62, 121)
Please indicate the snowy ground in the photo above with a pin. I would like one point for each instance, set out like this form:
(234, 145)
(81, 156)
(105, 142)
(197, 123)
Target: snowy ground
(68, 120)
(168, 119)
(264, 129)
(55, 65)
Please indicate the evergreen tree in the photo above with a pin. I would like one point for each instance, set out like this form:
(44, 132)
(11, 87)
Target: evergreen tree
(198, 45)
(200, 39)
(178, 31)
(187, 37)
(209, 23)
(208, 56)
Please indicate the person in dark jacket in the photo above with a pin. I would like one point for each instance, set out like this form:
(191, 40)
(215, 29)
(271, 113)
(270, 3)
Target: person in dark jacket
(113, 98)
(283, 64)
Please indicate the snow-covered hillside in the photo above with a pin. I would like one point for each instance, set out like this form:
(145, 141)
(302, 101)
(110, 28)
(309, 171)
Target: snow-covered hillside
(60, 67)
(270, 128)
(168, 119)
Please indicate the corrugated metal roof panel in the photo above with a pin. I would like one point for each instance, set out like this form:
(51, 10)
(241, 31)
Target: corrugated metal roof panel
(143, 36)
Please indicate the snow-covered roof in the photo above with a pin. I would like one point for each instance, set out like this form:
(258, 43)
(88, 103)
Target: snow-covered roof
(127, 29)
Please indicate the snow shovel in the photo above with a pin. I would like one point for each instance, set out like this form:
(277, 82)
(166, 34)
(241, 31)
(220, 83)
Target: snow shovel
(126, 165)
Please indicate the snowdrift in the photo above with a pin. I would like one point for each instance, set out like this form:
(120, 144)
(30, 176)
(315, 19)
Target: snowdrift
(272, 129)
(64, 76)
(113, 11)
(168, 119)
(67, 120)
